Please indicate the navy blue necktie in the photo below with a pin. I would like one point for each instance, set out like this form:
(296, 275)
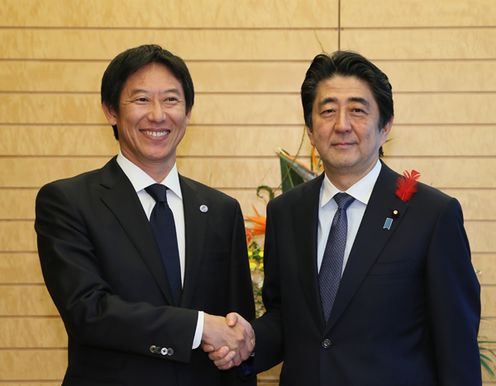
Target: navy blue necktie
(332, 261)
(164, 230)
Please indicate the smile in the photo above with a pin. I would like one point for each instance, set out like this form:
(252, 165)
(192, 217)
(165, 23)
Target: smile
(156, 133)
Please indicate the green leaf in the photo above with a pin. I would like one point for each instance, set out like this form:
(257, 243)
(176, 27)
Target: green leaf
(267, 189)
(289, 177)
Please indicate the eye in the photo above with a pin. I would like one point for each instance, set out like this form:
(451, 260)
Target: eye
(327, 112)
(171, 100)
(358, 111)
(140, 100)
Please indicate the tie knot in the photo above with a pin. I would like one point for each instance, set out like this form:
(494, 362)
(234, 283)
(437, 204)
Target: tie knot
(158, 192)
(343, 200)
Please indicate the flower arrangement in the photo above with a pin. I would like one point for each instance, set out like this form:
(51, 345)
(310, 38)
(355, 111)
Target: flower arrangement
(293, 172)
(487, 355)
(254, 241)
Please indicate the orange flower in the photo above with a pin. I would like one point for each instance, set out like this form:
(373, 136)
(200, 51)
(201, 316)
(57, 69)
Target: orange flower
(315, 161)
(249, 236)
(258, 222)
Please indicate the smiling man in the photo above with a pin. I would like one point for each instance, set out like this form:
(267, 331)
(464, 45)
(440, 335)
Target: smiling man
(368, 278)
(138, 258)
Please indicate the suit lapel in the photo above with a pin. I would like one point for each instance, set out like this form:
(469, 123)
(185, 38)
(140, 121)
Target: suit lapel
(195, 223)
(120, 197)
(370, 240)
(305, 223)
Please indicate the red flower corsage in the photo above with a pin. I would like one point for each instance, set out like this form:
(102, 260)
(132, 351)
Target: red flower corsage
(407, 185)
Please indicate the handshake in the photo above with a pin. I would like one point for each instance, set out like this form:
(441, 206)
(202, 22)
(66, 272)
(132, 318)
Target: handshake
(228, 341)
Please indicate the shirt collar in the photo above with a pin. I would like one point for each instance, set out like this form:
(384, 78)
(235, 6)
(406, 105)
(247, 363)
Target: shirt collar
(140, 179)
(360, 190)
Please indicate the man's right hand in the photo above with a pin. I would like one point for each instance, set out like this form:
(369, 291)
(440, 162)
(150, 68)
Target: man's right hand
(229, 341)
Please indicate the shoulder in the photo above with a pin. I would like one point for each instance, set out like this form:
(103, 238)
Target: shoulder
(80, 183)
(427, 202)
(206, 192)
(75, 184)
(430, 200)
(299, 195)
(432, 194)
(424, 195)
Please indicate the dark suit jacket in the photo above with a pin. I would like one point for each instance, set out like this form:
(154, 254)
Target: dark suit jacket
(103, 270)
(408, 306)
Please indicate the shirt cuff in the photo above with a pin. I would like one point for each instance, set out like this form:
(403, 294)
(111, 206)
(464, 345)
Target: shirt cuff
(199, 330)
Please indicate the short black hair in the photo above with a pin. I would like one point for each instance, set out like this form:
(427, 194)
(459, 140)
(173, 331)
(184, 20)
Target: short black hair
(130, 61)
(347, 63)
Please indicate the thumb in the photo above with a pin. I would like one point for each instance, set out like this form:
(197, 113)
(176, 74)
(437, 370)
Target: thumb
(232, 319)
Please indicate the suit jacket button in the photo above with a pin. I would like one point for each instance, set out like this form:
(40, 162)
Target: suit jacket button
(326, 343)
(164, 351)
(171, 351)
(153, 349)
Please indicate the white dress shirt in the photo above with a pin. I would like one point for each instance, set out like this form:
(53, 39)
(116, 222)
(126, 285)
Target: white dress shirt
(140, 180)
(361, 192)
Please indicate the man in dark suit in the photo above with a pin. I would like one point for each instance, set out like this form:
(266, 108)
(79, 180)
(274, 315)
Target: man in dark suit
(368, 278)
(136, 311)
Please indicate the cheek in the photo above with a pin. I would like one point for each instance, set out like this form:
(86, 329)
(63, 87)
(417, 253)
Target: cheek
(378, 139)
(373, 137)
(384, 135)
(310, 137)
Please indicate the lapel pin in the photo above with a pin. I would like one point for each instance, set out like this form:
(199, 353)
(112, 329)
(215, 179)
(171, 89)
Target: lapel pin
(203, 208)
(395, 213)
(388, 223)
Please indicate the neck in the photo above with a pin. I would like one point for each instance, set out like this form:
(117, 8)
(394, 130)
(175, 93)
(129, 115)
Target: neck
(342, 182)
(158, 172)
(156, 169)
(344, 179)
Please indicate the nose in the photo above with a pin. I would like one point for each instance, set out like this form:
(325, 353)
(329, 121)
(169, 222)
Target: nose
(342, 121)
(156, 113)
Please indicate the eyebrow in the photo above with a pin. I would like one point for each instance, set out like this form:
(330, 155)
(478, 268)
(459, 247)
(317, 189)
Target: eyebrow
(169, 90)
(361, 100)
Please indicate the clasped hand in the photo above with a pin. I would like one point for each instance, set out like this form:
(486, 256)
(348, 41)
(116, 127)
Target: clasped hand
(229, 341)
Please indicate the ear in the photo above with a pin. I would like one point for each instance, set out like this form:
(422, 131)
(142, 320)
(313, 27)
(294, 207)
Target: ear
(386, 130)
(110, 114)
(310, 135)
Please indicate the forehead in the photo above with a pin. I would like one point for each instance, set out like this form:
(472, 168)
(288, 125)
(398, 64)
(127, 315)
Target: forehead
(343, 88)
(153, 77)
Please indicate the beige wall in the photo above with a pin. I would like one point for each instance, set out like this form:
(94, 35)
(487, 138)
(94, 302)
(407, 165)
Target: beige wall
(247, 58)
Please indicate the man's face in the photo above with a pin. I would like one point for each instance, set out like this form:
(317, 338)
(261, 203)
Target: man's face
(345, 119)
(152, 117)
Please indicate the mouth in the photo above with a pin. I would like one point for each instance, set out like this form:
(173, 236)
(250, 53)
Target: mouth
(156, 133)
(342, 145)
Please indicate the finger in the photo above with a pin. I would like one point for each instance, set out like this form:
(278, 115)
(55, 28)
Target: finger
(219, 354)
(207, 348)
(232, 319)
(227, 366)
(226, 361)
(251, 345)
(238, 359)
(244, 354)
(250, 342)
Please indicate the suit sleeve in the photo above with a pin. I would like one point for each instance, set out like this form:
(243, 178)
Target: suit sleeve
(241, 292)
(454, 300)
(93, 314)
(268, 328)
